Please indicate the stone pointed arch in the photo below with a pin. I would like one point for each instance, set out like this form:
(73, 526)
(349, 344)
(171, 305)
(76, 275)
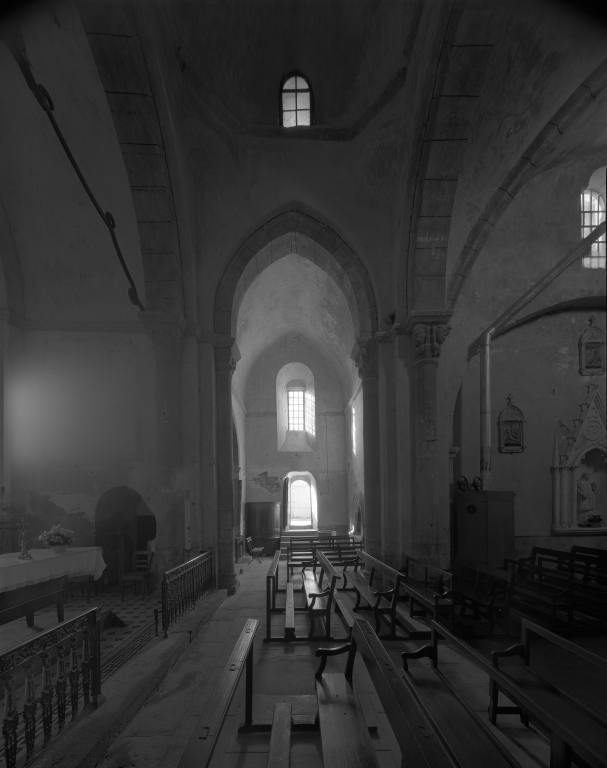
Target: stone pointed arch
(296, 232)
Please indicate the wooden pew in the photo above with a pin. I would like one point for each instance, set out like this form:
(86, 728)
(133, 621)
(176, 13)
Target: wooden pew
(299, 551)
(318, 603)
(271, 590)
(203, 741)
(554, 676)
(418, 594)
(543, 586)
(485, 590)
(343, 730)
(419, 744)
(571, 728)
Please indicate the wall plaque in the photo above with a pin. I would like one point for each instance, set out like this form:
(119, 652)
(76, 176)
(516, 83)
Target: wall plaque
(510, 429)
(591, 346)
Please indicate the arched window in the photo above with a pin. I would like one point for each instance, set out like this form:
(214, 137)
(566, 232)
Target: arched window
(295, 409)
(296, 102)
(593, 213)
(301, 408)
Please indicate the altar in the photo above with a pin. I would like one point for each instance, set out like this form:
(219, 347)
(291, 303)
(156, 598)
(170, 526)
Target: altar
(27, 586)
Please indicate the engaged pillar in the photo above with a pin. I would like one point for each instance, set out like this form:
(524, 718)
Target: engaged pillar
(226, 357)
(425, 520)
(366, 360)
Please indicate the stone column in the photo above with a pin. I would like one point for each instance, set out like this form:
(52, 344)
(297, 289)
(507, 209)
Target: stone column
(391, 521)
(365, 358)
(226, 357)
(426, 479)
(165, 330)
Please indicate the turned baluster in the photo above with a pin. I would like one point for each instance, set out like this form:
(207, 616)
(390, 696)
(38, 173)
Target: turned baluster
(61, 687)
(9, 724)
(29, 710)
(46, 698)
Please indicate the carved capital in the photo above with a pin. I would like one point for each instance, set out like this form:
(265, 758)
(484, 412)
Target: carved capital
(226, 357)
(428, 340)
(365, 360)
(165, 330)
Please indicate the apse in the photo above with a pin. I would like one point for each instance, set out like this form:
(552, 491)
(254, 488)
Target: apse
(295, 380)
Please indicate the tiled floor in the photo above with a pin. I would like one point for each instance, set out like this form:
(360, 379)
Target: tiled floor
(159, 734)
(133, 612)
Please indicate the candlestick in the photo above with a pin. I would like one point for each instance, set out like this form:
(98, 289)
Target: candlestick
(24, 554)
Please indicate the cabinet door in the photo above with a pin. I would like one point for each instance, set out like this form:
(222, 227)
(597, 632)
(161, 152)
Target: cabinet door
(471, 534)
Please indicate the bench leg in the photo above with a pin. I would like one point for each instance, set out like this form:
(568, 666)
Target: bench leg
(560, 752)
(356, 607)
(493, 697)
(312, 625)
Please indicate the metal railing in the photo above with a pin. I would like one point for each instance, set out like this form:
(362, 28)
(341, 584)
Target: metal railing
(184, 586)
(73, 649)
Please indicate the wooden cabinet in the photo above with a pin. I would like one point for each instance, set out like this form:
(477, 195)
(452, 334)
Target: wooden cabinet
(262, 524)
(484, 527)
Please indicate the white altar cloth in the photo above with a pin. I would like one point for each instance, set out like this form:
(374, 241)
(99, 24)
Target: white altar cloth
(46, 565)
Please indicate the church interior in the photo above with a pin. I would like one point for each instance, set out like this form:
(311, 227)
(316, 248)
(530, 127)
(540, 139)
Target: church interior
(319, 288)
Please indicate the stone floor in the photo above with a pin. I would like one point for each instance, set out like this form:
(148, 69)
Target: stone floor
(158, 735)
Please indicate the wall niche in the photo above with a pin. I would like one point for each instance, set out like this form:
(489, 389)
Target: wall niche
(591, 346)
(579, 473)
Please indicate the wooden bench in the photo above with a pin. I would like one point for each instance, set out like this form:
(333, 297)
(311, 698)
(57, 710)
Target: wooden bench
(420, 746)
(319, 600)
(570, 727)
(299, 551)
(203, 741)
(271, 590)
(338, 550)
(343, 730)
(418, 594)
(543, 586)
(486, 591)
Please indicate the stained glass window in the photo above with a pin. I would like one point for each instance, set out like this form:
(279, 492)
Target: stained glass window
(593, 213)
(296, 102)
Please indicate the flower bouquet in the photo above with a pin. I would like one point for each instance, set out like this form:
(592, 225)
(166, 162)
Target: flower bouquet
(58, 538)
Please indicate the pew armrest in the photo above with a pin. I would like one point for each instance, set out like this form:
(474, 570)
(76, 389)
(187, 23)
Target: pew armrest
(515, 650)
(425, 652)
(324, 653)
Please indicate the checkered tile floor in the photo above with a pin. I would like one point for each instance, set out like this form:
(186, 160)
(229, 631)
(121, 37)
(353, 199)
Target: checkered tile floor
(136, 614)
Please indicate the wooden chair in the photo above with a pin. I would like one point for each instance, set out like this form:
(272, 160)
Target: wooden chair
(84, 580)
(255, 552)
(142, 564)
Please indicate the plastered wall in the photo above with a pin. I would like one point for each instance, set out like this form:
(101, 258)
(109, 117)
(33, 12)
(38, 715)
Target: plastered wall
(266, 466)
(80, 421)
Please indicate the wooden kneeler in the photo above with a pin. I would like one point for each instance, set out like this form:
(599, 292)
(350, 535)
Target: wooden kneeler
(280, 738)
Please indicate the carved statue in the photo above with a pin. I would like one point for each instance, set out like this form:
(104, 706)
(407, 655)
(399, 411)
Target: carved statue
(585, 495)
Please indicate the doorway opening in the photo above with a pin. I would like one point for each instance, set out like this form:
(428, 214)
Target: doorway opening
(301, 501)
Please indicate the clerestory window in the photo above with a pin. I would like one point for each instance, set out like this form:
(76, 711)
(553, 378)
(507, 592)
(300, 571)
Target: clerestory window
(296, 102)
(593, 213)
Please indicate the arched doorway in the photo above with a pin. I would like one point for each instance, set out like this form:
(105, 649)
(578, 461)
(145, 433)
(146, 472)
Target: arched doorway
(122, 520)
(301, 501)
